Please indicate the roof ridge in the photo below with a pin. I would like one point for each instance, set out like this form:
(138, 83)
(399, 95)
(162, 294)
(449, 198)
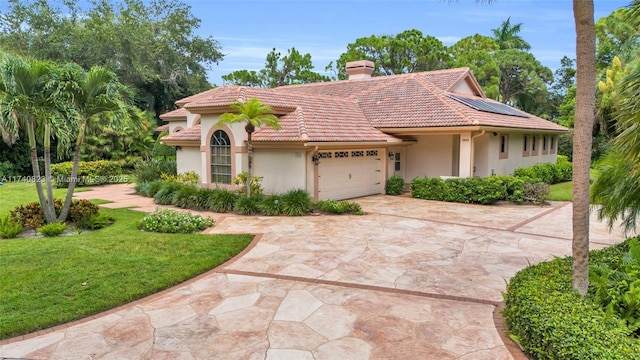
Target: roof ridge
(302, 125)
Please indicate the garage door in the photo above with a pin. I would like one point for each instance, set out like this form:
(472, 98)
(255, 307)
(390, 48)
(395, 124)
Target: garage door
(349, 173)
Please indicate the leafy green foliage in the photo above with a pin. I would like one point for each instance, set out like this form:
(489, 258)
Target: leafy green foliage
(153, 169)
(339, 207)
(161, 150)
(186, 178)
(241, 182)
(31, 216)
(271, 205)
(99, 221)
(165, 195)
(172, 221)
(616, 286)
(186, 197)
(52, 229)
(221, 200)
(296, 202)
(9, 228)
(247, 205)
(394, 185)
(89, 173)
(551, 321)
(547, 173)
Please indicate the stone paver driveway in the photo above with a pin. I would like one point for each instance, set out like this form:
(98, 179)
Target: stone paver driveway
(411, 279)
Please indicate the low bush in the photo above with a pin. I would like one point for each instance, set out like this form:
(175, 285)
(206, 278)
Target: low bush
(165, 194)
(296, 202)
(186, 197)
(53, 229)
(221, 200)
(89, 173)
(394, 185)
(551, 321)
(171, 221)
(99, 221)
(31, 215)
(186, 178)
(9, 229)
(339, 207)
(547, 173)
(487, 190)
(247, 205)
(271, 205)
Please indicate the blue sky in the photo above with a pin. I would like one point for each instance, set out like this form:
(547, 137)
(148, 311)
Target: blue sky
(248, 30)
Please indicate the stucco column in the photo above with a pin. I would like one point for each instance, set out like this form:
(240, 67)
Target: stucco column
(465, 166)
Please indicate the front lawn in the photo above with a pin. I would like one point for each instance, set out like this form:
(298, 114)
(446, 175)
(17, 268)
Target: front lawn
(18, 193)
(564, 191)
(50, 281)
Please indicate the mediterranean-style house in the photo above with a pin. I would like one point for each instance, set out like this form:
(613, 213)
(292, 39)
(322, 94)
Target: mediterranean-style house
(343, 139)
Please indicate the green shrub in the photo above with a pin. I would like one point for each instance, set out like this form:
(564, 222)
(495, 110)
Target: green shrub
(31, 215)
(171, 221)
(515, 189)
(271, 205)
(153, 169)
(154, 187)
(7, 169)
(9, 229)
(339, 207)
(296, 202)
(186, 197)
(81, 212)
(547, 173)
(201, 199)
(186, 178)
(164, 196)
(428, 188)
(241, 182)
(53, 229)
(142, 188)
(616, 286)
(89, 173)
(551, 321)
(394, 185)
(221, 200)
(536, 193)
(247, 205)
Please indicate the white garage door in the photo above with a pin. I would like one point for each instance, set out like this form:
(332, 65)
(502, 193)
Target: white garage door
(349, 173)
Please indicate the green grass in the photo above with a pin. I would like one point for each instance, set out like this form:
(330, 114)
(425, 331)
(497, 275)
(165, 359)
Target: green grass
(564, 191)
(51, 281)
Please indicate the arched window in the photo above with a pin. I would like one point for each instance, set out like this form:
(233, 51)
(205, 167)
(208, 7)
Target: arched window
(220, 158)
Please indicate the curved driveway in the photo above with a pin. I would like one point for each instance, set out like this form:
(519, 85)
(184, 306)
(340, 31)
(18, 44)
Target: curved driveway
(411, 279)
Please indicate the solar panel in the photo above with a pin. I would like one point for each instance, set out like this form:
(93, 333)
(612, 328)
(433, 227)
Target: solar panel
(488, 106)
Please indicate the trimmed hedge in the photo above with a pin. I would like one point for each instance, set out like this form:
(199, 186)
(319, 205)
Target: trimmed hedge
(487, 190)
(547, 173)
(551, 321)
(394, 185)
(89, 173)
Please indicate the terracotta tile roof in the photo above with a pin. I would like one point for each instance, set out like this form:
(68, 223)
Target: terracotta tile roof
(177, 114)
(191, 134)
(162, 128)
(355, 110)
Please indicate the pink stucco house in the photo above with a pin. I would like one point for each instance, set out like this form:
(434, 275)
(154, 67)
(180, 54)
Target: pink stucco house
(343, 139)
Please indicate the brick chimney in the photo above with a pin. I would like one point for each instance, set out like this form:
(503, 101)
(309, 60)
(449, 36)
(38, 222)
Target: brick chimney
(360, 69)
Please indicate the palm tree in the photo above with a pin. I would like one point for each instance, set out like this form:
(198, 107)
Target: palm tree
(100, 101)
(254, 114)
(29, 101)
(582, 138)
(507, 36)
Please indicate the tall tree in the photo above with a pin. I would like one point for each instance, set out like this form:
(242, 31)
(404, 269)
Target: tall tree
(93, 93)
(478, 53)
(254, 114)
(279, 70)
(506, 35)
(583, 131)
(29, 101)
(150, 45)
(407, 52)
(617, 35)
(520, 73)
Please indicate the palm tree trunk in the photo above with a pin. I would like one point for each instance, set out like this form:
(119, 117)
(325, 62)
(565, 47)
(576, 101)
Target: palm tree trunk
(36, 169)
(582, 139)
(74, 174)
(249, 163)
(47, 174)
